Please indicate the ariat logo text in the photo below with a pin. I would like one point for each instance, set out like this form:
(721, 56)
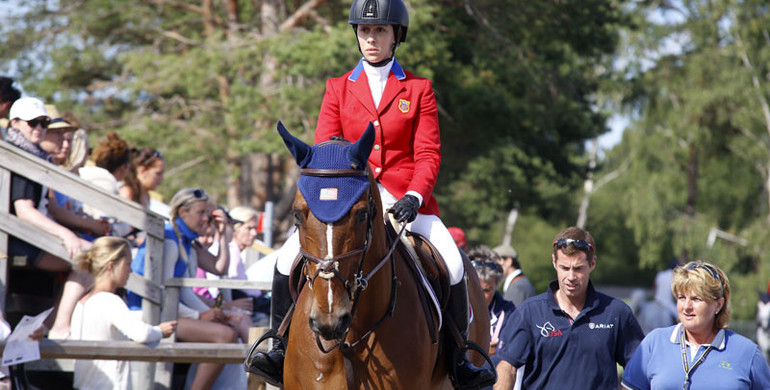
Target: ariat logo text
(548, 330)
(591, 325)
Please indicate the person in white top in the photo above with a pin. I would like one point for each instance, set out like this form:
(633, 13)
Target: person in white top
(102, 315)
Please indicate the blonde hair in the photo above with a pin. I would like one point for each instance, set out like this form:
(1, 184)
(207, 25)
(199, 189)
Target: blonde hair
(243, 214)
(106, 250)
(706, 281)
(184, 197)
(79, 148)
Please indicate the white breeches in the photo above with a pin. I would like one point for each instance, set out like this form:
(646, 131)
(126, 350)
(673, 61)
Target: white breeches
(429, 226)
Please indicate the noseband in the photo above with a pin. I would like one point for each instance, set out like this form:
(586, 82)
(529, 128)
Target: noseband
(328, 267)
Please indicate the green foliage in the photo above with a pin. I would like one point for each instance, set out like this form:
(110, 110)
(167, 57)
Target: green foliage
(696, 90)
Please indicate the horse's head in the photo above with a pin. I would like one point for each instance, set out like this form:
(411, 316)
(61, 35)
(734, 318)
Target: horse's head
(335, 210)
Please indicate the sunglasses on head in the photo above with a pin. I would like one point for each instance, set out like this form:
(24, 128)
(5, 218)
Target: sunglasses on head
(487, 264)
(44, 122)
(152, 156)
(710, 269)
(581, 245)
(200, 194)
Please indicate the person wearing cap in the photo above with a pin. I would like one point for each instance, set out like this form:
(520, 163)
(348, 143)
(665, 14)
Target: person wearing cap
(699, 352)
(63, 209)
(572, 336)
(28, 126)
(8, 95)
(182, 254)
(405, 163)
(517, 287)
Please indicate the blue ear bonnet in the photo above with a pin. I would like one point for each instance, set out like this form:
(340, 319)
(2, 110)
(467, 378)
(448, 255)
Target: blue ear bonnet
(330, 198)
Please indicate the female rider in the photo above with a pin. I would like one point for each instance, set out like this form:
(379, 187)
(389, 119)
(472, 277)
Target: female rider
(405, 162)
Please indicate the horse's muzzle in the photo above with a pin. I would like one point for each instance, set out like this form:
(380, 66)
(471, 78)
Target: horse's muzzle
(331, 331)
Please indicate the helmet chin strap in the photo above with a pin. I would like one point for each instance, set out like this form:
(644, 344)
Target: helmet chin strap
(379, 63)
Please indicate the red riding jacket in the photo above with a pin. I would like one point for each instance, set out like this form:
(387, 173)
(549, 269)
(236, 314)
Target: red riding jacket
(407, 147)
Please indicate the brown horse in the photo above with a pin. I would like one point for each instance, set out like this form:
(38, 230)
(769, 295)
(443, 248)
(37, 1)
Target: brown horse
(358, 321)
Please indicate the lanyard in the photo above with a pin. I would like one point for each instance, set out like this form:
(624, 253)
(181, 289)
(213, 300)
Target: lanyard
(686, 360)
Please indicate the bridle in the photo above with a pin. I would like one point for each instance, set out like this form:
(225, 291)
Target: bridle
(328, 267)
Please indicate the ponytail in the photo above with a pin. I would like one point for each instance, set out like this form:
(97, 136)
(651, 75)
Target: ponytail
(106, 250)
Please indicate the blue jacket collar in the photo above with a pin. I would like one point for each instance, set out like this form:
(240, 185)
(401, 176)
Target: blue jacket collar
(397, 70)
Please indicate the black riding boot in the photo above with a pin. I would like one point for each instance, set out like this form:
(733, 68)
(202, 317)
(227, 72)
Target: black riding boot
(467, 376)
(270, 365)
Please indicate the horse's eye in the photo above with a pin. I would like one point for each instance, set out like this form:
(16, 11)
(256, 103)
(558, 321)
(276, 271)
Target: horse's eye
(297, 217)
(361, 216)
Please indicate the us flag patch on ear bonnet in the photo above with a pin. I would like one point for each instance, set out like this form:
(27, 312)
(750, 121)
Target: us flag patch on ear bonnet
(330, 198)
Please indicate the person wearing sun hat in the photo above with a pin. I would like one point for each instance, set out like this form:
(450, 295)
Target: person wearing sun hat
(62, 208)
(28, 127)
(58, 138)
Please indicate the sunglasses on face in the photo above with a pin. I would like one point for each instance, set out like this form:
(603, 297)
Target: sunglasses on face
(581, 245)
(44, 122)
(487, 264)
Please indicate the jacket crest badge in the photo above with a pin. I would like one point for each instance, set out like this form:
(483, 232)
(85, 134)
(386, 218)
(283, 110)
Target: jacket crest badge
(403, 105)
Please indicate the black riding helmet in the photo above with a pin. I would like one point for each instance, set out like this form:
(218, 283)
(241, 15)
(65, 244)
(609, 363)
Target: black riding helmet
(377, 12)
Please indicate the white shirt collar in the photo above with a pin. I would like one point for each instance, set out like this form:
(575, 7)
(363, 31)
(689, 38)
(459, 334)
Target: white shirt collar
(379, 73)
(718, 342)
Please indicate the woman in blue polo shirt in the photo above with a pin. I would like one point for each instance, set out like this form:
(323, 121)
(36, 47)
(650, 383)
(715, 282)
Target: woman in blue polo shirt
(699, 352)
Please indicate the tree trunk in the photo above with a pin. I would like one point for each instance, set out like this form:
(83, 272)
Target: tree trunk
(588, 186)
(692, 181)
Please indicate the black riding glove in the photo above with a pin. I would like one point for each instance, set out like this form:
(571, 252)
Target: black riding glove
(406, 208)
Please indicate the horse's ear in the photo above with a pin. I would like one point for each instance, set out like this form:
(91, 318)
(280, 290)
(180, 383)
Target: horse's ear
(359, 151)
(300, 150)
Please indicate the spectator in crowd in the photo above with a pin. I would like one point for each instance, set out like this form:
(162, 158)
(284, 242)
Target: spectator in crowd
(490, 275)
(8, 95)
(650, 314)
(662, 287)
(699, 352)
(29, 122)
(517, 287)
(246, 224)
(80, 147)
(103, 315)
(144, 175)
(182, 254)
(458, 236)
(572, 336)
(238, 311)
(111, 158)
(62, 208)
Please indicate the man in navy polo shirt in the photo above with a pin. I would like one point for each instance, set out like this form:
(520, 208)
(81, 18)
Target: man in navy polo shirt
(572, 336)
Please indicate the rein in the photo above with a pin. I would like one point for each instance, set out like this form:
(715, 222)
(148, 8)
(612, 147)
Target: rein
(328, 267)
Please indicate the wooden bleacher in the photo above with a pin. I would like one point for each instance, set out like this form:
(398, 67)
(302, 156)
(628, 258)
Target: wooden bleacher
(150, 287)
